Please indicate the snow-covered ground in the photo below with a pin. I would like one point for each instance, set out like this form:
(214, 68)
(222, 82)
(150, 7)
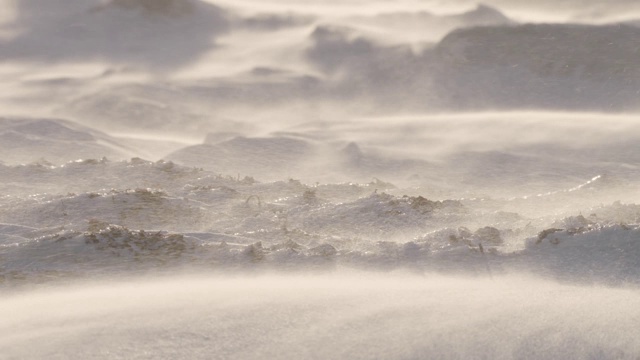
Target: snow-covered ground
(338, 179)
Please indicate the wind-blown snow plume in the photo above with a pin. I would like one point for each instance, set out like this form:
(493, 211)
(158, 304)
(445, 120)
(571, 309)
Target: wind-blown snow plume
(339, 179)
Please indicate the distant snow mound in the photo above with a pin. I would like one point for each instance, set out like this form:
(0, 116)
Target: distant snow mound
(393, 75)
(258, 157)
(152, 106)
(484, 15)
(487, 66)
(58, 141)
(541, 65)
(335, 46)
(217, 137)
(550, 50)
(51, 129)
(423, 26)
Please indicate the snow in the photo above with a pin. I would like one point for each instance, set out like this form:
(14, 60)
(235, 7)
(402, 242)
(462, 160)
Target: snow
(353, 316)
(352, 180)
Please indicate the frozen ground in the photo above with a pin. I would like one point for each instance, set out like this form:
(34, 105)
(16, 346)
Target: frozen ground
(281, 179)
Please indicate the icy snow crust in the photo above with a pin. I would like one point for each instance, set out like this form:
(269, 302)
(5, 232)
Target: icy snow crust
(73, 220)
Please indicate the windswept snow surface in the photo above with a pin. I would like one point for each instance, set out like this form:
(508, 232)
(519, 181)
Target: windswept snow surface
(195, 179)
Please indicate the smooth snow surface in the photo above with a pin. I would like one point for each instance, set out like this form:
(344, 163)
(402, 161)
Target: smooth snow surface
(356, 179)
(356, 316)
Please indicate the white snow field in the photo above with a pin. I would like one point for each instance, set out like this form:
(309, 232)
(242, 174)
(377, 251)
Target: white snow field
(357, 179)
(356, 316)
